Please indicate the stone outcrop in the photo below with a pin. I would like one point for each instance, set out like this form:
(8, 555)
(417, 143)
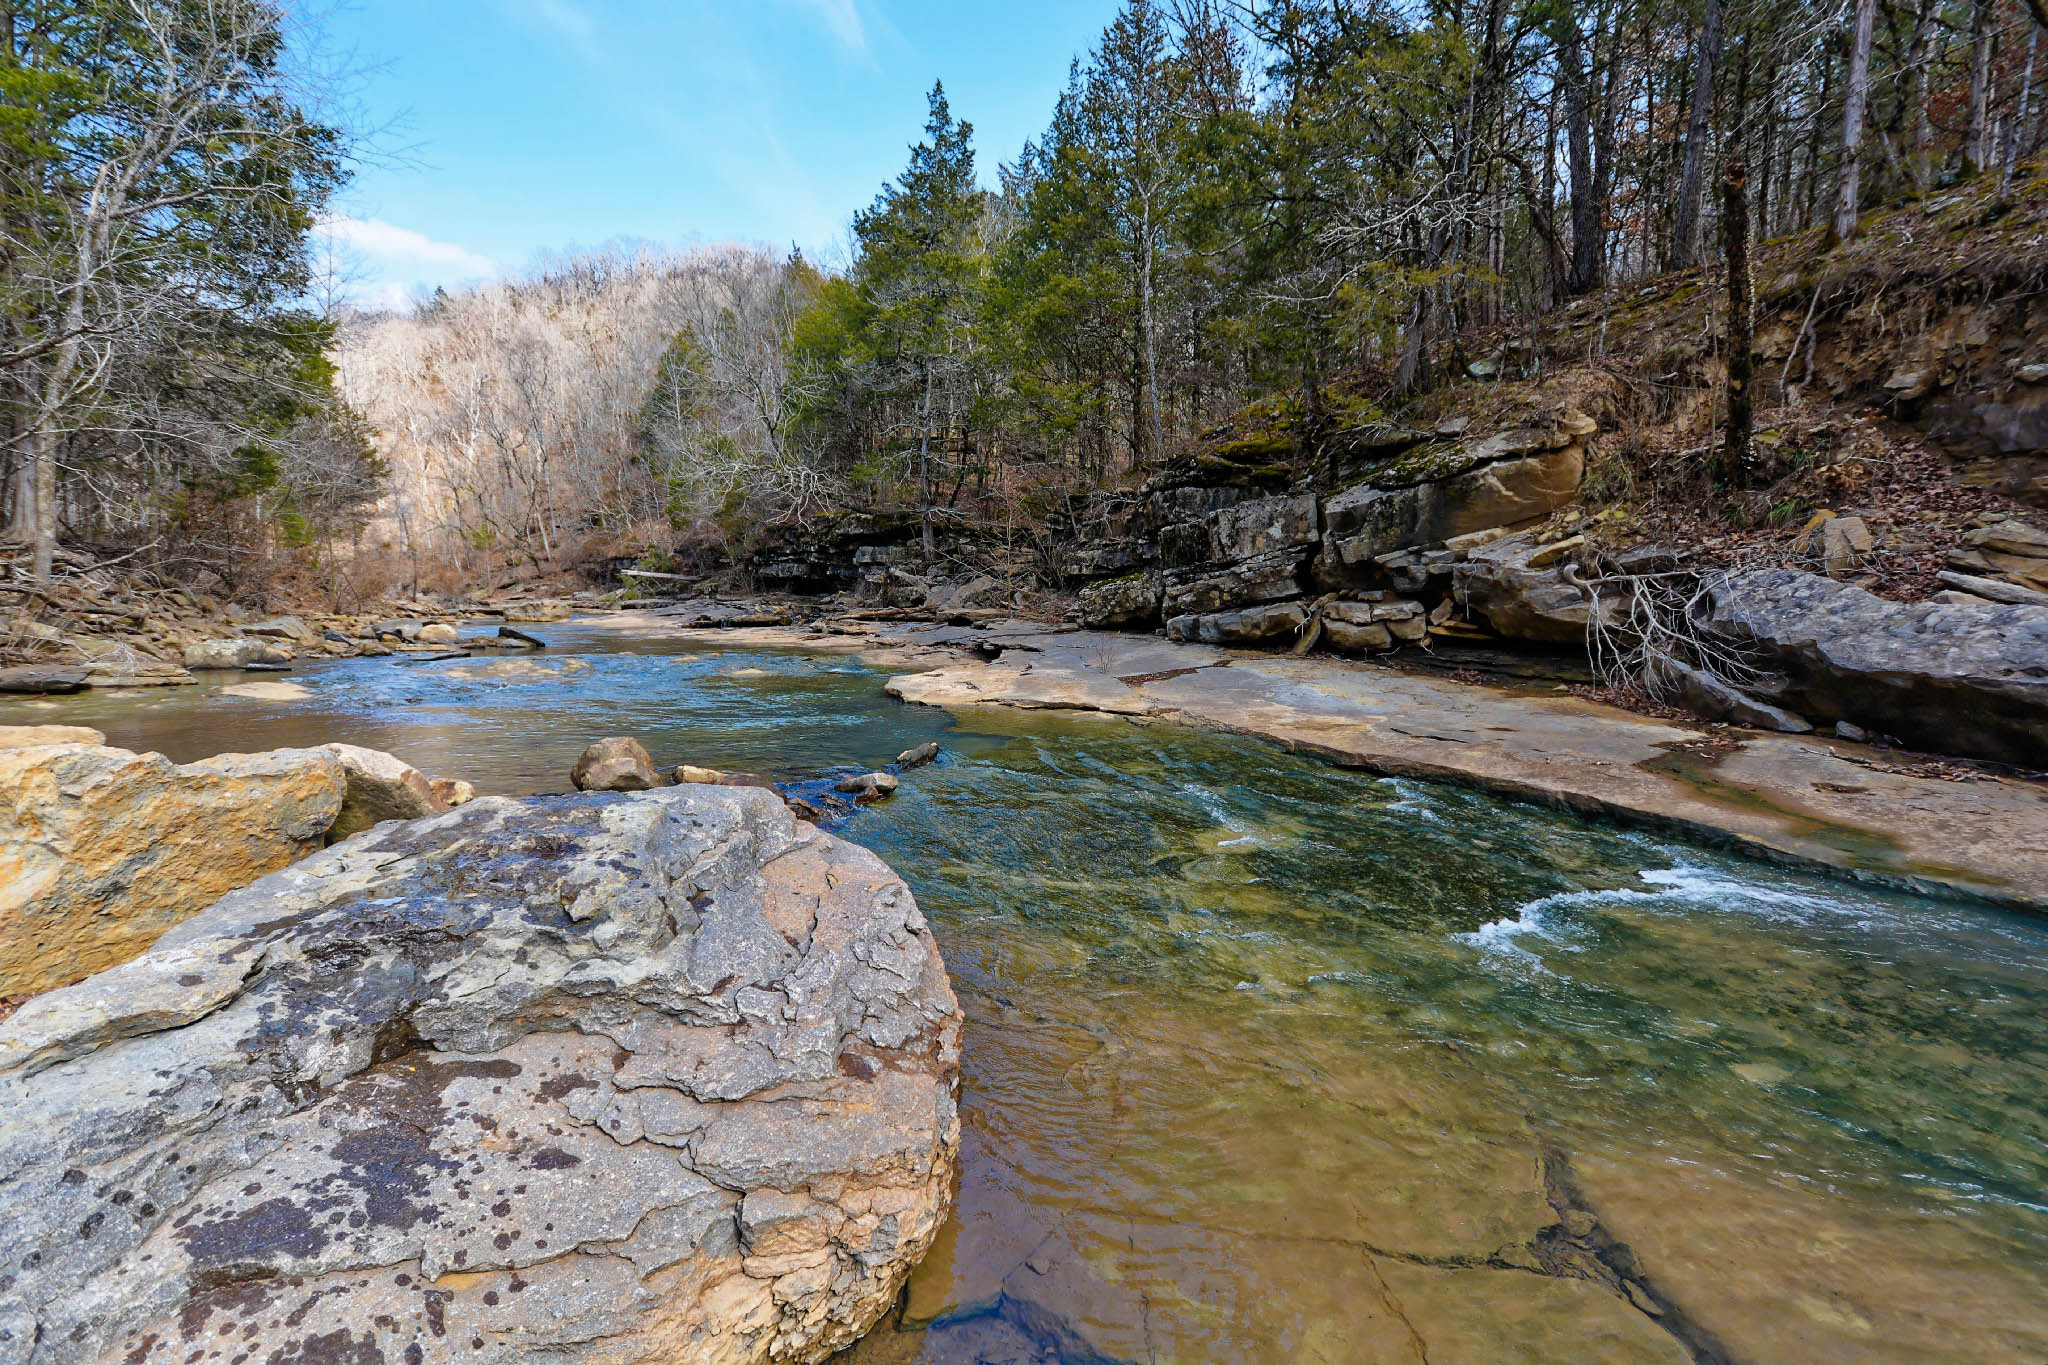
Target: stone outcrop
(1246, 626)
(1523, 589)
(1958, 679)
(618, 764)
(1434, 495)
(1120, 603)
(102, 850)
(380, 787)
(664, 1077)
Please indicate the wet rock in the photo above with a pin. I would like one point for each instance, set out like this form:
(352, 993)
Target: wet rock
(867, 784)
(102, 850)
(380, 787)
(918, 757)
(617, 764)
(1122, 603)
(511, 637)
(668, 1077)
(35, 681)
(1954, 679)
(1680, 684)
(267, 691)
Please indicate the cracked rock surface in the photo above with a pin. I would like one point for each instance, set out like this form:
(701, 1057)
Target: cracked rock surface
(667, 1076)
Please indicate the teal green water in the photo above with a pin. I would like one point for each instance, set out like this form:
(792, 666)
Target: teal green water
(1270, 1061)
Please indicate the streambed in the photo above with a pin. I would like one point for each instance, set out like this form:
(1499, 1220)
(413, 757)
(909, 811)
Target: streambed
(1270, 1061)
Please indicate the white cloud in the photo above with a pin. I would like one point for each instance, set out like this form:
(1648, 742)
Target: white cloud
(842, 17)
(389, 242)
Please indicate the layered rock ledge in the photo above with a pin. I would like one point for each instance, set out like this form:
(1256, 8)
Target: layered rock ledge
(665, 1076)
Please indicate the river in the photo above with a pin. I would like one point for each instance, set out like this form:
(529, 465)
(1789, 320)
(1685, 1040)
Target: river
(1271, 1061)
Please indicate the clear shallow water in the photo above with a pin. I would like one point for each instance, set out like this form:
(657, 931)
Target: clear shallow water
(1269, 1061)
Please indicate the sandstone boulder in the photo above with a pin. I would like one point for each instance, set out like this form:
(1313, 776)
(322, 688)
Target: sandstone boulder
(1414, 503)
(380, 788)
(1958, 679)
(283, 628)
(102, 850)
(38, 736)
(532, 612)
(667, 1077)
(439, 633)
(233, 653)
(1122, 603)
(1519, 598)
(618, 764)
(452, 791)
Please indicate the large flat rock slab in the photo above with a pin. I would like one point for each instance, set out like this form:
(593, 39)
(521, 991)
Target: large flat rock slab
(667, 1076)
(1813, 801)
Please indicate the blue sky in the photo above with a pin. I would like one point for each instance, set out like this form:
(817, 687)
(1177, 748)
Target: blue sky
(520, 126)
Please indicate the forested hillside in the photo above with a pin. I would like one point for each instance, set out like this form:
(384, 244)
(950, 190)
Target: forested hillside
(1243, 225)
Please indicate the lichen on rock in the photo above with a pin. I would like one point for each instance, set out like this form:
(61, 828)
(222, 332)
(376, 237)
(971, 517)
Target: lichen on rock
(668, 1076)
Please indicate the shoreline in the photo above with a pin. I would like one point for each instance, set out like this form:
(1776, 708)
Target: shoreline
(1823, 804)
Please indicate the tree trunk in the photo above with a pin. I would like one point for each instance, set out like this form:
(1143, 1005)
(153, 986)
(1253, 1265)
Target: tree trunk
(1741, 341)
(1685, 225)
(1151, 344)
(1856, 96)
(2022, 117)
(1578, 122)
(1976, 142)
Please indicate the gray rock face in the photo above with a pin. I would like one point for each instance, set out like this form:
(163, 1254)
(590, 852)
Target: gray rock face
(1213, 588)
(1957, 679)
(1680, 684)
(1246, 626)
(1263, 525)
(1121, 603)
(1522, 592)
(665, 1077)
(236, 653)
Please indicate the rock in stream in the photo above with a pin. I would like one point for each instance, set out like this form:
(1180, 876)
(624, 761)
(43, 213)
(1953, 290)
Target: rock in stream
(615, 1078)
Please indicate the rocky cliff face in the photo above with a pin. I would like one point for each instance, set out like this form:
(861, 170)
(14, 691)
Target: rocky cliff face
(665, 1076)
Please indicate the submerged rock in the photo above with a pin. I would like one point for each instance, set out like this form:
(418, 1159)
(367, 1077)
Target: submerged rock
(618, 764)
(668, 1077)
(918, 757)
(1952, 678)
(102, 850)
